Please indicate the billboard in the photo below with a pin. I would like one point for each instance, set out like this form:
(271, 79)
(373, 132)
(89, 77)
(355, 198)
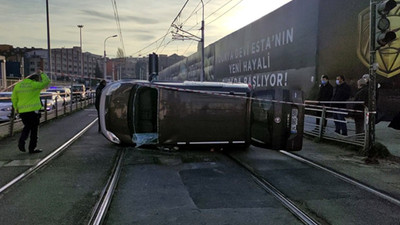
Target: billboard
(277, 50)
(296, 44)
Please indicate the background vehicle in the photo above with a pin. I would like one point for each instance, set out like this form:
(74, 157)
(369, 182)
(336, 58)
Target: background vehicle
(63, 92)
(5, 106)
(78, 92)
(165, 115)
(51, 100)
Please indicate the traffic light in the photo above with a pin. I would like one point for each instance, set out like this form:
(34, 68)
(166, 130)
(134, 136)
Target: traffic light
(153, 66)
(383, 33)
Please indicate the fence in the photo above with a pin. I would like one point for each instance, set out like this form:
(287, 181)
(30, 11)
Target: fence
(323, 118)
(59, 108)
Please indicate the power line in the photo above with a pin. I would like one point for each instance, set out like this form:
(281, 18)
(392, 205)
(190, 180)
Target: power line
(225, 12)
(177, 16)
(196, 9)
(116, 16)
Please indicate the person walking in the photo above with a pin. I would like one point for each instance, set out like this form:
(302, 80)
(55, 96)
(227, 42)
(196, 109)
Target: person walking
(26, 101)
(99, 89)
(360, 95)
(341, 93)
(325, 94)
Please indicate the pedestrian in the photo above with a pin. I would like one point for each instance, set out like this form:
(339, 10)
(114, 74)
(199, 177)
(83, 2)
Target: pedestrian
(341, 93)
(26, 101)
(360, 95)
(325, 94)
(99, 89)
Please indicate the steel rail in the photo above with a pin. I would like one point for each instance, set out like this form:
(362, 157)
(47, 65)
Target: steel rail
(296, 211)
(344, 178)
(46, 159)
(100, 209)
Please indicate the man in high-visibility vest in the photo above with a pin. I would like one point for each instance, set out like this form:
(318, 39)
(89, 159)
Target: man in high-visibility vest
(26, 101)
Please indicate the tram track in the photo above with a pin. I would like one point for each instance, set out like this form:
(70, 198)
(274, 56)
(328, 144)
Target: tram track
(344, 177)
(282, 198)
(100, 209)
(301, 204)
(46, 159)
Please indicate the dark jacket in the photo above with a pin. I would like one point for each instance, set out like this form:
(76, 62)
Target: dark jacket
(361, 95)
(99, 89)
(341, 93)
(325, 92)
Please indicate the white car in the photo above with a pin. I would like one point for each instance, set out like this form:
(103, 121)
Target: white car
(49, 100)
(63, 92)
(5, 106)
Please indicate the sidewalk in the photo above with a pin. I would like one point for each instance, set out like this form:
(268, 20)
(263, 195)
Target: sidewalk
(388, 137)
(384, 175)
(385, 135)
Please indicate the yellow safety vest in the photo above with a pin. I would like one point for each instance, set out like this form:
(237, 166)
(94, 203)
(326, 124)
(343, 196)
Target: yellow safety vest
(26, 94)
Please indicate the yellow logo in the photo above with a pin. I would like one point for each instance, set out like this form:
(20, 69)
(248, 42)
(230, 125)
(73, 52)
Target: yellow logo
(388, 57)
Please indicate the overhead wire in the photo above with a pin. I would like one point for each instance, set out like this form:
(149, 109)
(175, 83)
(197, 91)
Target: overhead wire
(116, 16)
(196, 9)
(225, 12)
(177, 16)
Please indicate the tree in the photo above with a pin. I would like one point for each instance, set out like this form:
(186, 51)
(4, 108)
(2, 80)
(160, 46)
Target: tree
(120, 53)
(98, 72)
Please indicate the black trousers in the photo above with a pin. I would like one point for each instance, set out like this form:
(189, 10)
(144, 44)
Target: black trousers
(31, 122)
(98, 119)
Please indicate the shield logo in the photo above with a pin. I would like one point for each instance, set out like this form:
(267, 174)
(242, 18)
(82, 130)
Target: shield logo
(388, 57)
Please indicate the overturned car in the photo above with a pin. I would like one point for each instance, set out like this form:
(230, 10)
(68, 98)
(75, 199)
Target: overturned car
(171, 114)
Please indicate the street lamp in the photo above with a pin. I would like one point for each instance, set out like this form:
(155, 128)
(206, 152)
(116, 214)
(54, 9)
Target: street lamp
(80, 34)
(105, 59)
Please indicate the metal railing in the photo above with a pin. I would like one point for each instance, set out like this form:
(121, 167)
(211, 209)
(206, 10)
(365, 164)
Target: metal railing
(320, 121)
(69, 105)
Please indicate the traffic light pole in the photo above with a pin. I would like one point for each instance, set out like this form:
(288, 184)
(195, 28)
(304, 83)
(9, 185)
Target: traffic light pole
(370, 139)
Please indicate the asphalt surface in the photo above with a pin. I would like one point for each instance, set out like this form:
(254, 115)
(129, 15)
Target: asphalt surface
(176, 196)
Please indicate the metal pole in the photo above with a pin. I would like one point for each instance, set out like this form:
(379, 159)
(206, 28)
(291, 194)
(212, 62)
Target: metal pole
(3, 72)
(370, 140)
(80, 34)
(105, 62)
(202, 45)
(48, 42)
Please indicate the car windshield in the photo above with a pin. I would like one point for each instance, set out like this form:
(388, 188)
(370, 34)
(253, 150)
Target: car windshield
(46, 96)
(77, 88)
(5, 97)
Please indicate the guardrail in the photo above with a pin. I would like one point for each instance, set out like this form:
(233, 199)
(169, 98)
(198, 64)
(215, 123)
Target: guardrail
(15, 124)
(320, 121)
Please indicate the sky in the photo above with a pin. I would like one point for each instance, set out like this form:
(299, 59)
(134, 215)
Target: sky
(143, 23)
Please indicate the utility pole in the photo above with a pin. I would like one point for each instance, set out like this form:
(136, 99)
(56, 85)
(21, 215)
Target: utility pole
(80, 34)
(370, 139)
(48, 42)
(202, 44)
(3, 72)
(188, 36)
(380, 35)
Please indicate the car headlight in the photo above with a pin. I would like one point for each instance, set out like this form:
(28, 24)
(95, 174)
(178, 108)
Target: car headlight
(6, 109)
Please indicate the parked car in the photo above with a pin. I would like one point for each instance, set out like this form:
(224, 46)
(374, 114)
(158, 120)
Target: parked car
(63, 92)
(78, 92)
(5, 106)
(50, 100)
